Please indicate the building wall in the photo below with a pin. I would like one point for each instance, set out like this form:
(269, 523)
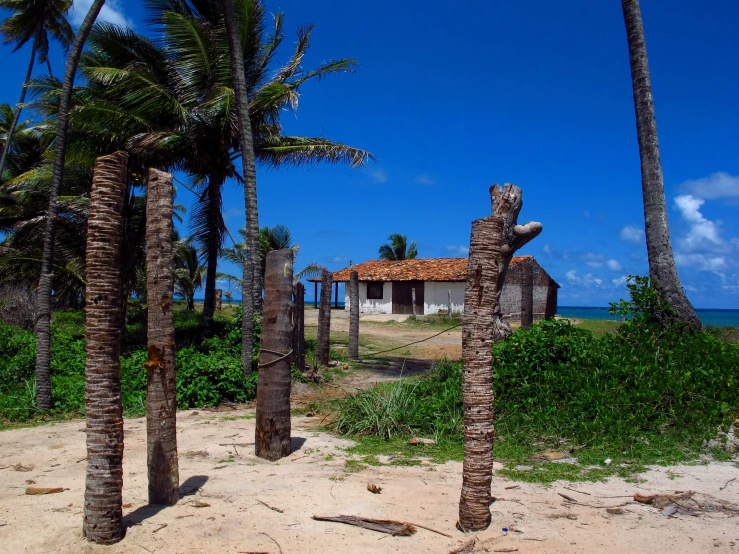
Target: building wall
(510, 298)
(372, 306)
(436, 297)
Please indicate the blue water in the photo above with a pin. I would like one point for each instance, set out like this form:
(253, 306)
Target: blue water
(719, 318)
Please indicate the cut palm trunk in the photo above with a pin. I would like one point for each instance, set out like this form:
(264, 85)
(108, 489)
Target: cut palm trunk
(161, 382)
(273, 386)
(103, 324)
(324, 319)
(299, 326)
(354, 315)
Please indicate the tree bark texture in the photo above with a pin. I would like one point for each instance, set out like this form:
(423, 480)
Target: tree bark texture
(161, 381)
(43, 317)
(354, 315)
(251, 291)
(213, 251)
(477, 376)
(299, 326)
(507, 202)
(662, 270)
(324, 319)
(527, 293)
(272, 440)
(103, 326)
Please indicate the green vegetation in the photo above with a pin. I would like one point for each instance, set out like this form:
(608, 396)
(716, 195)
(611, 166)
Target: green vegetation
(208, 371)
(640, 395)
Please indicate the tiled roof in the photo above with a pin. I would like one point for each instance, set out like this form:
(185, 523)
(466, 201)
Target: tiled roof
(417, 269)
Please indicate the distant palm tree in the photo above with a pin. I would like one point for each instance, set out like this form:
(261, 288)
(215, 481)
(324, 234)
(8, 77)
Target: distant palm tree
(189, 272)
(398, 248)
(33, 19)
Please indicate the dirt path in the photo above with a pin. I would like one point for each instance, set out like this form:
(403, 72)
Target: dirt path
(223, 488)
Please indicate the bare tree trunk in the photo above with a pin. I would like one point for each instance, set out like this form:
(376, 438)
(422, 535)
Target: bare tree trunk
(273, 385)
(43, 318)
(354, 315)
(507, 202)
(161, 385)
(215, 241)
(299, 326)
(103, 327)
(477, 376)
(17, 114)
(324, 319)
(662, 270)
(527, 293)
(252, 266)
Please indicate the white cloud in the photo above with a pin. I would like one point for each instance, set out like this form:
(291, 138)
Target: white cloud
(112, 12)
(593, 260)
(546, 249)
(620, 281)
(458, 251)
(378, 176)
(586, 280)
(424, 179)
(338, 259)
(701, 261)
(631, 234)
(718, 185)
(614, 265)
(702, 230)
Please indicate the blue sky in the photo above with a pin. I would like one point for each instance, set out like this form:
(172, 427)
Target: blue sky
(535, 93)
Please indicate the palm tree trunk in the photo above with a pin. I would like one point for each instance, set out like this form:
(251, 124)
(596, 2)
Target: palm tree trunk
(43, 317)
(17, 115)
(662, 270)
(191, 302)
(354, 315)
(215, 241)
(105, 229)
(477, 376)
(324, 319)
(273, 387)
(252, 267)
(161, 389)
(299, 326)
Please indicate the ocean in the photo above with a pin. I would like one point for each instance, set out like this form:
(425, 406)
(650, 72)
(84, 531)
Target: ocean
(719, 318)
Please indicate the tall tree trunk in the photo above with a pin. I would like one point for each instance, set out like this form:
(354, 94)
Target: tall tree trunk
(527, 293)
(477, 375)
(191, 302)
(43, 317)
(324, 319)
(299, 326)
(213, 247)
(103, 328)
(662, 270)
(272, 440)
(17, 114)
(354, 315)
(161, 382)
(252, 266)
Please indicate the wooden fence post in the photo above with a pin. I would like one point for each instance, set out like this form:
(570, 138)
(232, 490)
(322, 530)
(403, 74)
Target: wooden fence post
(103, 508)
(527, 293)
(449, 303)
(272, 440)
(354, 316)
(299, 326)
(324, 319)
(161, 382)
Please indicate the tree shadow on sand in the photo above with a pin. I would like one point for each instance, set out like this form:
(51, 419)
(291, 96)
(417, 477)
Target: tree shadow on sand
(189, 488)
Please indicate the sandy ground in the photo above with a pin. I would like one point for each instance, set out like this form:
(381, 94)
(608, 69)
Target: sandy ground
(230, 484)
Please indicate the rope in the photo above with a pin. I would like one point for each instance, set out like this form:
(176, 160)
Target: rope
(280, 354)
(410, 343)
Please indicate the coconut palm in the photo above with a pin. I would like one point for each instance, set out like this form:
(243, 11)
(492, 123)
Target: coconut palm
(33, 19)
(398, 249)
(189, 273)
(662, 270)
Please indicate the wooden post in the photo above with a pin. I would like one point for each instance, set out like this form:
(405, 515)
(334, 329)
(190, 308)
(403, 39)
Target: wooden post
(477, 374)
(413, 299)
(449, 303)
(354, 315)
(336, 295)
(161, 382)
(527, 293)
(299, 326)
(315, 295)
(219, 300)
(103, 507)
(324, 319)
(272, 440)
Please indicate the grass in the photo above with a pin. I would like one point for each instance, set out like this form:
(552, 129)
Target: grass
(599, 327)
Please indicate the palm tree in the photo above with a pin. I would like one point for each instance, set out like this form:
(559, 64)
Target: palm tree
(43, 322)
(33, 19)
(398, 248)
(161, 384)
(103, 508)
(662, 270)
(189, 273)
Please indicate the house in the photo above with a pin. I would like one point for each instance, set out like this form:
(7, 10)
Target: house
(388, 287)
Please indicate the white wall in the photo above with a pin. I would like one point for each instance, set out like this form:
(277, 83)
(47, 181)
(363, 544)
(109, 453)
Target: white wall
(371, 306)
(436, 296)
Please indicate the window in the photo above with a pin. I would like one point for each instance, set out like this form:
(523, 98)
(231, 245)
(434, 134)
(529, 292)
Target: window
(374, 290)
